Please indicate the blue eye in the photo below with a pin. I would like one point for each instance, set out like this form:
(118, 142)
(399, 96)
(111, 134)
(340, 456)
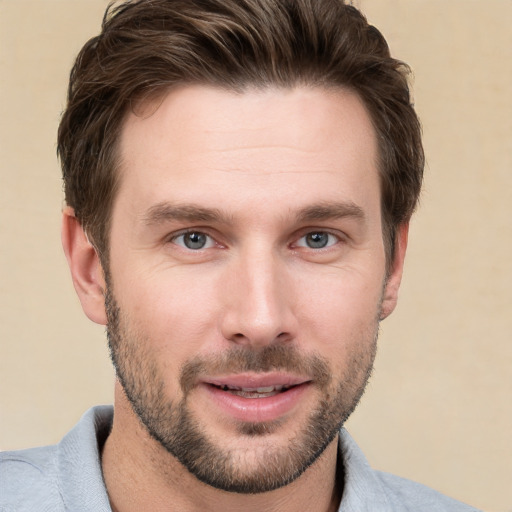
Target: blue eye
(317, 240)
(194, 240)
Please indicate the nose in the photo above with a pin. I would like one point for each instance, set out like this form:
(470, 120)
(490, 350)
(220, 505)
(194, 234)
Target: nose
(258, 302)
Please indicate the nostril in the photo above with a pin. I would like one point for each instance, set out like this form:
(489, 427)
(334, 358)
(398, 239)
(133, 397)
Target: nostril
(283, 337)
(240, 338)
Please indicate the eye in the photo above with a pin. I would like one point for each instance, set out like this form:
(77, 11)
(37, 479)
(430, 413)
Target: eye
(194, 240)
(317, 240)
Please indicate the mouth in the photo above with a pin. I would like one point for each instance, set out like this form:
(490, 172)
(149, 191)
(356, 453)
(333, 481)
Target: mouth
(256, 398)
(251, 392)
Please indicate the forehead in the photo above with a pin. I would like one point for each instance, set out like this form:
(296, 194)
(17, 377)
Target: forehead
(206, 144)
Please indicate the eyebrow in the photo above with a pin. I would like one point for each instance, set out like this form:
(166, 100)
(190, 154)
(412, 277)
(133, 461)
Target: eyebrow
(167, 212)
(330, 211)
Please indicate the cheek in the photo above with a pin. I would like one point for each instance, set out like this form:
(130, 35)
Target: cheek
(339, 311)
(342, 328)
(173, 312)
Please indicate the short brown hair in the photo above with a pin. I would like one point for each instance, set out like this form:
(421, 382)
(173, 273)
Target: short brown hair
(147, 46)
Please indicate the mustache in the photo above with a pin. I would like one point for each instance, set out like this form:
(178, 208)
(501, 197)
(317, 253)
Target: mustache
(242, 360)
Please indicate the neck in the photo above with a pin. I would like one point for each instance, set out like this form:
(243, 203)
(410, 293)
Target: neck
(141, 475)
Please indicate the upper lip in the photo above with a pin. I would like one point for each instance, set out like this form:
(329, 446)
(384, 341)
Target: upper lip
(256, 380)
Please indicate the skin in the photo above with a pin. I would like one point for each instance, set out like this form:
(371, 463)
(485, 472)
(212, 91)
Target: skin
(267, 160)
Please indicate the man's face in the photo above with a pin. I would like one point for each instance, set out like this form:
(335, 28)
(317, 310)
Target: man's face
(247, 270)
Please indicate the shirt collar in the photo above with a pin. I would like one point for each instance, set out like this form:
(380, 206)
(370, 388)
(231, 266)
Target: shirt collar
(81, 482)
(82, 487)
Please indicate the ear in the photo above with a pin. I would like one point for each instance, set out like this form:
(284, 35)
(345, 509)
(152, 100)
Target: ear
(85, 266)
(395, 274)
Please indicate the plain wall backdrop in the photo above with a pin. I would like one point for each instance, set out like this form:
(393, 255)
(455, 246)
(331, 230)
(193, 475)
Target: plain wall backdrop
(438, 408)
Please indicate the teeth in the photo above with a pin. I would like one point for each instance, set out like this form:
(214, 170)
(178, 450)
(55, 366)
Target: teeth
(267, 389)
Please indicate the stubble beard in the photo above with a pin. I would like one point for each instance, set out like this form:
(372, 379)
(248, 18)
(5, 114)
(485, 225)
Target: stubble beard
(174, 426)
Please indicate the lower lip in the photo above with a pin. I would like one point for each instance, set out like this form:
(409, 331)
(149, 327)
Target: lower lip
(257, 410)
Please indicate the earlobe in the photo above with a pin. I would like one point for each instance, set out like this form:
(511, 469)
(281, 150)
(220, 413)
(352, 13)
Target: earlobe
(85, 266)
(390, 297)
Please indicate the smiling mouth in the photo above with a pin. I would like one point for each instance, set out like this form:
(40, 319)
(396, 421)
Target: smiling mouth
(257, 398)
(259, 392)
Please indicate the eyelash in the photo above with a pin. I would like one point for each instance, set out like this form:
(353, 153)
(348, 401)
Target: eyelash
(175, 237)
(211, 242)
(329, 243)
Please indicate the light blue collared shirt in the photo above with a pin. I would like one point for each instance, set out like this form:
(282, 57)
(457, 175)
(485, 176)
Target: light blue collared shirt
(67, 477)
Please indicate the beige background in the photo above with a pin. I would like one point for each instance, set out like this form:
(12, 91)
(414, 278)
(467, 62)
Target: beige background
(439, 407)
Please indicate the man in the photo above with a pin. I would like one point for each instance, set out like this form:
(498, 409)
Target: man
(239, 178)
